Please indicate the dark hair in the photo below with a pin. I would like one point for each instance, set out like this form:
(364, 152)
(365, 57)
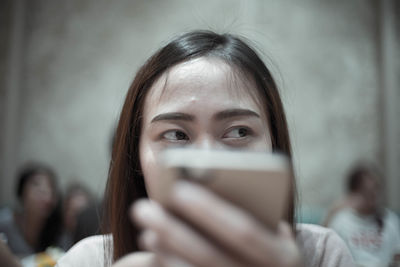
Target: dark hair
(126, 182)
(357, 174)
(28, 172)
(50, 233)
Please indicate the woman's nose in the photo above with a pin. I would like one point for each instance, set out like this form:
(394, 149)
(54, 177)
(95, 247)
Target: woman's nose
(207, 143)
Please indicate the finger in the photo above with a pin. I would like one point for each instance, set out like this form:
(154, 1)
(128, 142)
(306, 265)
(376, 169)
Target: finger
(166, 260)
(174, 237)
(290, 255)
(148, 240)
(285, 231)
(233, 227)
(147, 259)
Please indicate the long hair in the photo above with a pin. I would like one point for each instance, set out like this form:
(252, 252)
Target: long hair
(126, 182)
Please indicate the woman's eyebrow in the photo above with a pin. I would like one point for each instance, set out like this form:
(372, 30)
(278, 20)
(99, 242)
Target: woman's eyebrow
(237, 112)
(173, 116)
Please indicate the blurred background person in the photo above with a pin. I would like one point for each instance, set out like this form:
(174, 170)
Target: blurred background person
(352, 198)
(88, 222)
(36, 223)
(371, 231)
(77, 199)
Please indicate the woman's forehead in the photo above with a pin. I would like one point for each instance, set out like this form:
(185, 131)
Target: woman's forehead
(40, 178)
(203, 78)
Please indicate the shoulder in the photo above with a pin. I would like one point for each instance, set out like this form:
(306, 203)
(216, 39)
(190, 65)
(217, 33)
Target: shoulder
(87, 252)
(322, 247)
(346, 212)
(343, 218)
(309, 235)
(392, 223)
(6, 218)
(391, 216)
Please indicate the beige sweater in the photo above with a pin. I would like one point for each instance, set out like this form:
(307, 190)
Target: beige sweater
(321, 247)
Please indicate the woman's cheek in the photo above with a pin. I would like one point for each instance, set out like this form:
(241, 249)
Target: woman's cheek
(148, 162)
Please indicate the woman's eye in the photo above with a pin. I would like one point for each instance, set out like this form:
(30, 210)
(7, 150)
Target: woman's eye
(239, 132)
(175, 135)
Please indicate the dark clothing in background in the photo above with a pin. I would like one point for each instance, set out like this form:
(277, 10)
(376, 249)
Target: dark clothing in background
(13, 235)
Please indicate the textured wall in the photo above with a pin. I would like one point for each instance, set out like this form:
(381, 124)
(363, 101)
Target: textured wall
(80, 57)
(5, 27)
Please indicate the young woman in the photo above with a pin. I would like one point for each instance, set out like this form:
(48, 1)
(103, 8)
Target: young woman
(201, 90)
(37, 225)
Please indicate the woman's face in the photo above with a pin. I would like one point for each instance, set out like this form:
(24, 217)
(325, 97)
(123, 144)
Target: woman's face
(202, 103)
(38, 196)
(370, 194)
(76, 203)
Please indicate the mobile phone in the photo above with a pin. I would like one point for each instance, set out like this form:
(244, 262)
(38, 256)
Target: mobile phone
(257, 182)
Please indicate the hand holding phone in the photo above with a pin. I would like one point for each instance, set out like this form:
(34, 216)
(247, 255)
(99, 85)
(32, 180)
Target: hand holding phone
(257, 182)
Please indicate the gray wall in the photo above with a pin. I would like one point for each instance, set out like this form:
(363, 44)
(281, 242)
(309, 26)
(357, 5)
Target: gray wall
(74, 60)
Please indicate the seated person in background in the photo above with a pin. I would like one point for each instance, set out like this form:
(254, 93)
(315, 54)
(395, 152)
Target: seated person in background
(88, 222)
(208, 91)
(77, 199)
(37, 224)
(371, 232)
(351, 199)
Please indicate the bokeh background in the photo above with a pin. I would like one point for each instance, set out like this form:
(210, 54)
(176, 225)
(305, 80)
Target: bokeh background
(65, 67)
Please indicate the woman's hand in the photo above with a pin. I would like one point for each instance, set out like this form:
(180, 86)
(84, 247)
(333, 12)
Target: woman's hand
(142, 259)
(237, 238)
